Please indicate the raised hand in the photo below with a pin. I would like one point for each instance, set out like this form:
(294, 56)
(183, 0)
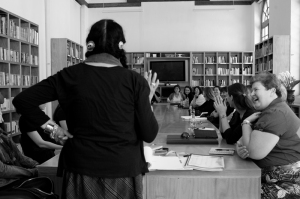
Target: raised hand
(253, 117)
(152, 82)
(220, 106)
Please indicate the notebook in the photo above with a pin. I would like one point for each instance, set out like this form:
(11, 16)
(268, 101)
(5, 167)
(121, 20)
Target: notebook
(205, 133)
(205, 162)
(164, 162)
(176, 139)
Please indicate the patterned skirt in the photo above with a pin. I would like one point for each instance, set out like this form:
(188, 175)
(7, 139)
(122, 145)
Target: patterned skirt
(77, 186)
(281, 182)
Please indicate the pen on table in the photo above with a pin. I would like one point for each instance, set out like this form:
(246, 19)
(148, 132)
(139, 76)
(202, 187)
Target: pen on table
(178, 157)
(224, 149)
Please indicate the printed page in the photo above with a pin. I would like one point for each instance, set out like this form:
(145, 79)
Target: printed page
(203, 161)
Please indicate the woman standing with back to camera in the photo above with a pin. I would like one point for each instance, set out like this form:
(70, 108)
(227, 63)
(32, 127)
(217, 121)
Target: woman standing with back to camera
(103, 157)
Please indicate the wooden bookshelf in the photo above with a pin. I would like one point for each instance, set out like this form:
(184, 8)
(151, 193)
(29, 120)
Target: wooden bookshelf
(273, 54)
(19, 63)
(64, 53)
(205, 68)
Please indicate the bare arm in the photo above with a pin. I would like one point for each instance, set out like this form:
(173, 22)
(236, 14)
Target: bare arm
(35, 136)
(63, 124)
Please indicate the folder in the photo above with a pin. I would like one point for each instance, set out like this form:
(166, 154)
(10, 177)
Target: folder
(205, 133)
(176, 139)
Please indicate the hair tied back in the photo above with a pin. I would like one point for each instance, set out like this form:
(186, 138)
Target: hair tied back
(90, 46)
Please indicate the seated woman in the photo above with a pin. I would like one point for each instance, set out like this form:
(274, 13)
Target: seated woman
(208, 105)
(188, 93)
(177, 96)
(273, 143)
(59, 117)
(217, 91)
(35, 143)
(198, 99)
(214, 116)
(238, 99)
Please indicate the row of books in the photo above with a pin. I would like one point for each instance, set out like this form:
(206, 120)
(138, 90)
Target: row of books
(265, 50)
(11, 129)
(14, 30)
(73, 52)
(221, 82)
(7, 79)
(7, 104)
(138, 60)
(15, 56)
(264, 66)
(223, 60)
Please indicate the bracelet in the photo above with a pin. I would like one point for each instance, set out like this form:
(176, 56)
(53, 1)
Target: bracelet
(51, 130)
(223, 116)
(246, 122)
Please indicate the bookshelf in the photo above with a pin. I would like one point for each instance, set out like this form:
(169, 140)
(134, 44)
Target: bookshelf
(273, 54)
(205, 68)
(19, 63)
(64, 53)
(221, 68)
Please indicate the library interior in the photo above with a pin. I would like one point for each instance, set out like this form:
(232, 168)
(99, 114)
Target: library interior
(224, 108)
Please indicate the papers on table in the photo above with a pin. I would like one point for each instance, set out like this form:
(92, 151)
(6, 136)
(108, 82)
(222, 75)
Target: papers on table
(205, 162)
(196, 118)
(164, 162)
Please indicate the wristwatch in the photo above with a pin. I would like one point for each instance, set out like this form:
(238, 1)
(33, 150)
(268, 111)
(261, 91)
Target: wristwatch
(246, 122)
(51, 130)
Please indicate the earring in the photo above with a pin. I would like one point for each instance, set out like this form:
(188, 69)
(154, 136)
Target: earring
(90, 46)
(121, 45)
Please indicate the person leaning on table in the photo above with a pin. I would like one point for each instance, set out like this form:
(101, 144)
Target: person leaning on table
(108, 114)
(273, 143)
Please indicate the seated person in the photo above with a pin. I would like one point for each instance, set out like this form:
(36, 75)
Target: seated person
(156, 97)
(14, 168)
(188, 93)
(177, 96)
(35, 143)
(273, 142)
(198, 99)
(1, 118)
(217, 91)
(59, 117)
(214, 116)
(238, 99)
(208, 105)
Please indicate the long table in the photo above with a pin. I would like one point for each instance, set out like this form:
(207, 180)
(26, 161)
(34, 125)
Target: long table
(239, 180)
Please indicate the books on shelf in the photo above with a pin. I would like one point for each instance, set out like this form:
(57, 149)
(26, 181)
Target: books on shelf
(205, 162)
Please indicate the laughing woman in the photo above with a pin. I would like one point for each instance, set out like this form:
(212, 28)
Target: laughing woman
(273, 143)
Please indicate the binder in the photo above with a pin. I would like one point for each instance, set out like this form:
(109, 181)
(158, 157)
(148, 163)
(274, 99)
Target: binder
(176, 139)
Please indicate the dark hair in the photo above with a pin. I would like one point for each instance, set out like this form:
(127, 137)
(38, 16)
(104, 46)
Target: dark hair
(268, 80)
(209, 93)
(191, 90)
(240, 95)
(107, 34)
(200, 90)
(223, 89)
(176, 86)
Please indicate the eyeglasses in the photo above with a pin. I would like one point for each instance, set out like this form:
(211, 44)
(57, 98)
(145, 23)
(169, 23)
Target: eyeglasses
(185, 135)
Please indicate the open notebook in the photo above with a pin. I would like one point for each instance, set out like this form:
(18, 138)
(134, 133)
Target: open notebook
(164, 162)
(205, 162)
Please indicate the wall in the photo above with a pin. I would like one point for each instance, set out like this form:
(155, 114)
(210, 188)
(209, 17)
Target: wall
(176, 26)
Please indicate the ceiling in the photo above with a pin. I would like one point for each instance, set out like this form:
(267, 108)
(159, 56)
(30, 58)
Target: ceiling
(131, 3)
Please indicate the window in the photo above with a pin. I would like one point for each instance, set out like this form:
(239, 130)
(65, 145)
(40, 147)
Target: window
(265, 17)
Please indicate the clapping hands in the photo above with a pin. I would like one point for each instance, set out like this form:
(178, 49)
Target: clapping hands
(220, 106)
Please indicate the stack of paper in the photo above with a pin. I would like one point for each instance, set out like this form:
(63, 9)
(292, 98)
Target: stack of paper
(205, 162)
(164, 162)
